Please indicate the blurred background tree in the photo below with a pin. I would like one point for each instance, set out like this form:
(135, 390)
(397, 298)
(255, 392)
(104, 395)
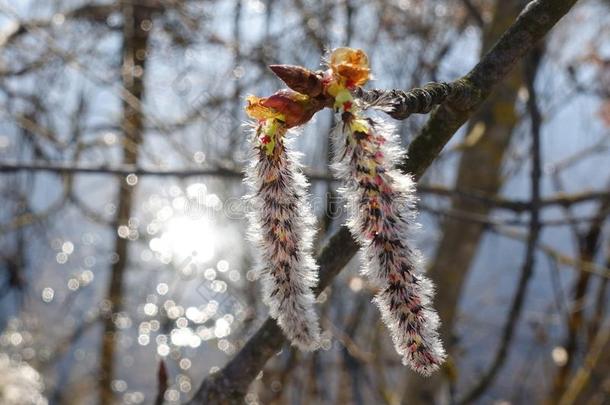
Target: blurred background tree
(125, 276)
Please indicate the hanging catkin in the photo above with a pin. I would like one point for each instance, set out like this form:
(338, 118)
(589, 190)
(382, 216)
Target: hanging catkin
(281, 223)
(381, 208)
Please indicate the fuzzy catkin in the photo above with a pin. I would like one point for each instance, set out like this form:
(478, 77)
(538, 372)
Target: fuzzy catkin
(381, 208)
(282, 227)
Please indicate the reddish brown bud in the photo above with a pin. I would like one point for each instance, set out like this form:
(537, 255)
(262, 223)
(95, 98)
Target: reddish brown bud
(296, 108)
(299, 79)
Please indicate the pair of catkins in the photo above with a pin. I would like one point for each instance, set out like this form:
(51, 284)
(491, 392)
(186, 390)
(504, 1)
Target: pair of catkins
(380, 201)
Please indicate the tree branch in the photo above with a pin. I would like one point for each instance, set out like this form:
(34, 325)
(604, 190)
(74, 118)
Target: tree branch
(400, 104)
(533, 23)
(589, 244)
(127, 169)
(474, 12)
(497, 202)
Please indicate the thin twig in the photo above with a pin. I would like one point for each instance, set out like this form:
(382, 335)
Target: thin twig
(162, 383)
(588, 246)
(582, 376)
(560, 199)
(474, 13)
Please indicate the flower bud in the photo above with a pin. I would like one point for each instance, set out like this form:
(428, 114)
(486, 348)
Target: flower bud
(299, 79)
(350, 66)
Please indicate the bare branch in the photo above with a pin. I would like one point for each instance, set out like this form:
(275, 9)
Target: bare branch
(497, 202)
(400, 104)
(532, 24)
(592, 359)
(474, 12)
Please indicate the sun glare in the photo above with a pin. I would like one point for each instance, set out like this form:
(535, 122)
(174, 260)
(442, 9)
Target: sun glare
(186, 238)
